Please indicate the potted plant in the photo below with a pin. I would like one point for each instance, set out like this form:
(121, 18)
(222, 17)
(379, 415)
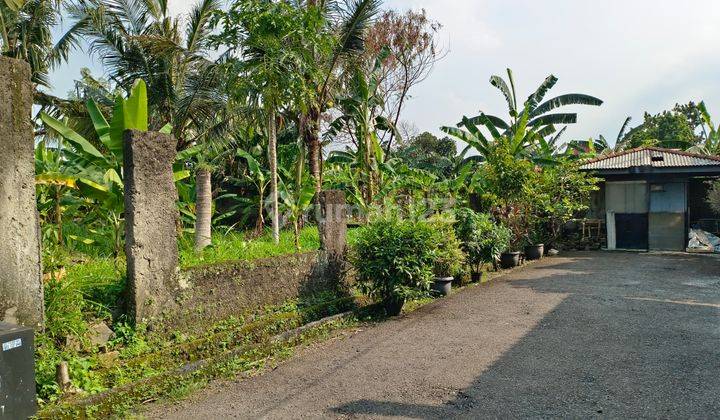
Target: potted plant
(534, 247)
(448, 257)
(394, 260)
(513, 218)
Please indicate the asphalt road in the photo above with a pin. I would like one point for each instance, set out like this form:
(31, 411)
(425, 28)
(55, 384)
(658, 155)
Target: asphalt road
(581, 335)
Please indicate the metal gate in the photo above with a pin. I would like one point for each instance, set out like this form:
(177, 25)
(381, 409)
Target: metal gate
(667, 221)
(626, 204)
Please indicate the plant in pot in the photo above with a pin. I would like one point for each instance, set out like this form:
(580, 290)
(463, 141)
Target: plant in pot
(448, 257)
(513, 218)
(394, 260)
(499, 242)
(534, 246)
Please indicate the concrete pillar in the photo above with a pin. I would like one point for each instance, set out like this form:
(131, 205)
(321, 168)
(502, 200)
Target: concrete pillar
(21, 288)
(151, 217)
(332, 222)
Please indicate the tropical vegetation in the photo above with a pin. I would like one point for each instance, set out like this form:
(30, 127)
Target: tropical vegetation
(271, 102)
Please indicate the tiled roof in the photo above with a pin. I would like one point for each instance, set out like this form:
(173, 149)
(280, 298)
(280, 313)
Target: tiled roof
(651, 157)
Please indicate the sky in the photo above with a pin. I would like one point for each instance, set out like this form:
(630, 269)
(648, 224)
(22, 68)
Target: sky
(636, 55)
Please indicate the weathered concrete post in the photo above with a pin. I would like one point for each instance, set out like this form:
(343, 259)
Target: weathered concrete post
(151, 217)
(332, 222)
(21, 288)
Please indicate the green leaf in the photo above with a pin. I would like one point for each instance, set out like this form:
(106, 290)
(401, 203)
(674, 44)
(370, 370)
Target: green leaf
(70, 135)
(534, 99)
(253, 164)
(111, 176)
(166, 129)
(15, 5)
(499, 83)
(129, 114)
(554, 119)
(102, 128)
(136, 107)
(93, 190)
(562, 100)
(180, 175)
(85, 241)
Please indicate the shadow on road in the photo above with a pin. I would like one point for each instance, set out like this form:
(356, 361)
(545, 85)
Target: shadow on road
(600, 352)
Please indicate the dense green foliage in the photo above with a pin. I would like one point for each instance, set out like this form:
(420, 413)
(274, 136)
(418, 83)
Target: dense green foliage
(481, 238)
(278, 100)
(394, 258)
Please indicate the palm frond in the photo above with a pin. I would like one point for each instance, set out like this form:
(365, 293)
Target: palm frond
(500, 84)
(562, 100)
(358, 16)
(553, 119)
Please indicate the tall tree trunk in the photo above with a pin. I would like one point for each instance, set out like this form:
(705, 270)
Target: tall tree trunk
(203, 210)
(310, 127)
(58, 215)
(260, 223)
(272, 145)
(367, 157)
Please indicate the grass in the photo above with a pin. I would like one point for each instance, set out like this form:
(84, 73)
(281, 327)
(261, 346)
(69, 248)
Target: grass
(143, 357)
(234, 246)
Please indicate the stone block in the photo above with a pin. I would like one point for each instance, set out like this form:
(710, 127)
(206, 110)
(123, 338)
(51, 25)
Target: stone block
(151, 218)
(332, 221)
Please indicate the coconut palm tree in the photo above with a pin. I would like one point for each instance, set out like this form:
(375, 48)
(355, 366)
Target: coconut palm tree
(344, 26)
(140, 39)
(26, 34)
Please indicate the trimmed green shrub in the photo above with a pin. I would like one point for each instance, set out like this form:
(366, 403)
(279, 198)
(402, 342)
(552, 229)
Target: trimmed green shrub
(394, 259)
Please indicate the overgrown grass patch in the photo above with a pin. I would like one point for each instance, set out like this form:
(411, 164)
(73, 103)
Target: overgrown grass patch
(235, 246)
(136, 355)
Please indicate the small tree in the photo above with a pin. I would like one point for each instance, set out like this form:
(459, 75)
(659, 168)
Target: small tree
(273, 47)
(481, 238)
(394, 259)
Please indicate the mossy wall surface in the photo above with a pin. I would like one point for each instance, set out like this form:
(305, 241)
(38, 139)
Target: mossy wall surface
(216, 292)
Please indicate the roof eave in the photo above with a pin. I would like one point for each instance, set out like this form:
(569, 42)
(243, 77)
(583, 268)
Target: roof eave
(690, 170)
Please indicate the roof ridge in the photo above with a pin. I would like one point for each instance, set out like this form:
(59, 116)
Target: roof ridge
(653, 148)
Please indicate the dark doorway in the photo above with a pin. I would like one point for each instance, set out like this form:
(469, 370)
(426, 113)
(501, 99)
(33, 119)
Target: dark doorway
(631, 231)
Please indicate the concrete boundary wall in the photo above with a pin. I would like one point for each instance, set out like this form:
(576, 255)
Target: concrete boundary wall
(21, 288)
(166, 298)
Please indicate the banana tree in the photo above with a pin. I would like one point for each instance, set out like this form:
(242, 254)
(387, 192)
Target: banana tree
(295, 202)
(99, 173)
(54, 179)
(599, 146)
(712, 133)
(527, 124)
(360, 122)
(260, 178)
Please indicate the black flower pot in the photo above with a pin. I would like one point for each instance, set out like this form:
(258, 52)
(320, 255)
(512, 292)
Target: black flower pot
(534, 252)
(443, 285)
(476, 277)
(509, 259)
(393, 306)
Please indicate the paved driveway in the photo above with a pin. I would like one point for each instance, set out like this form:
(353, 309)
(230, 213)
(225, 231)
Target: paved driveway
(582, 335)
